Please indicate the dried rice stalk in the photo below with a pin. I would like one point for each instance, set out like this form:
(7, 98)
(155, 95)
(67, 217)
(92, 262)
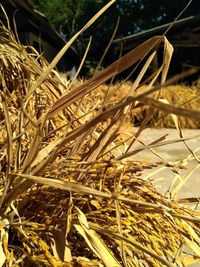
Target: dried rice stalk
(66, 197)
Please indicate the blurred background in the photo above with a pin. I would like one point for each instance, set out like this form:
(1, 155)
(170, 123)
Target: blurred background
(48, 24)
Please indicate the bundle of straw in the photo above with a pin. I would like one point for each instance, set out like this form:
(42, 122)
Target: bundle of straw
(180, 95)
(71, 195)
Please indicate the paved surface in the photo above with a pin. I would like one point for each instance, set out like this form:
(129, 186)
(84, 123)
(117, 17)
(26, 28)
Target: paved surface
(175, 153)
(186, 182)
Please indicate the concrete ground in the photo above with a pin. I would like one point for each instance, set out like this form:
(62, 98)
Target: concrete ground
(183, 183)
(186, 182)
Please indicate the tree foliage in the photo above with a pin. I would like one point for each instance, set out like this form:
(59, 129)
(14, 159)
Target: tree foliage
(69, 16)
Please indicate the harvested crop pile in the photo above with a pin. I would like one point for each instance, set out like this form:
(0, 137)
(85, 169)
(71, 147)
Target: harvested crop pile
(67, 196)
(176, 95)
(179, 96)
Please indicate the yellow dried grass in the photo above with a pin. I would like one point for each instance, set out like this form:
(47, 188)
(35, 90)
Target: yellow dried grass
(67, 199)
(177, 95)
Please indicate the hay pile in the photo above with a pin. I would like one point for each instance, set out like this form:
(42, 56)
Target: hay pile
(177, 95)
(67, 199)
